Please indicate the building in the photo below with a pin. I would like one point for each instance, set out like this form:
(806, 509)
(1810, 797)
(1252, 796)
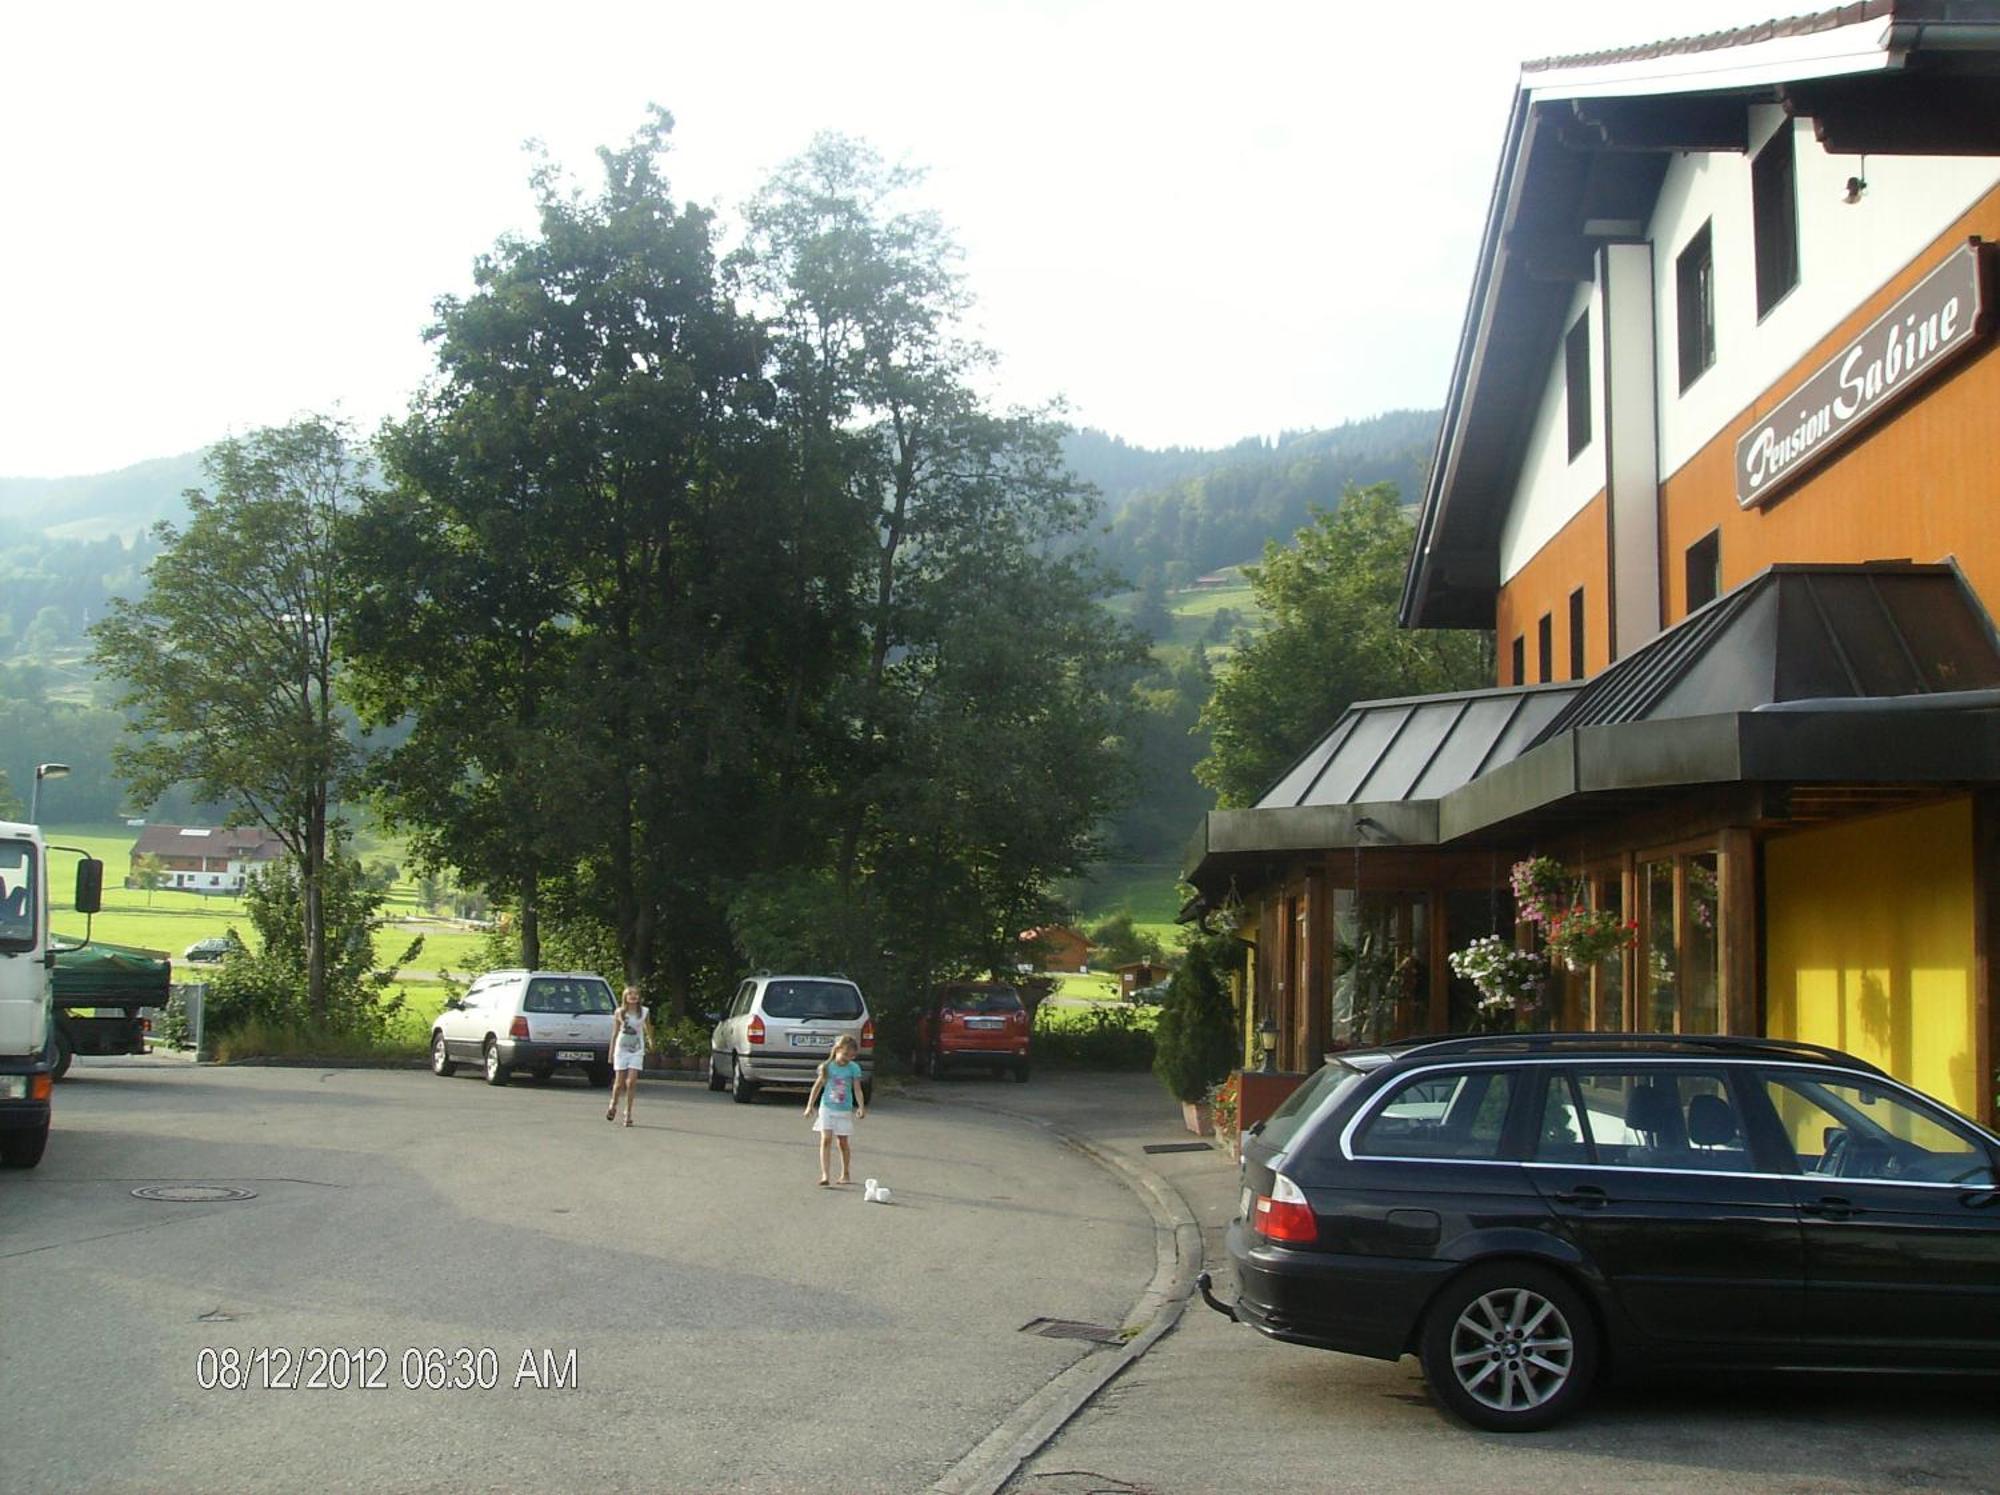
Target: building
(1719, 467)
(202, 859)
(1055, 947)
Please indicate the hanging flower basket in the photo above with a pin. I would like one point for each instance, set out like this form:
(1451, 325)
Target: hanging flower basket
(1510, 980)
(1584, 937)
(1540, 889)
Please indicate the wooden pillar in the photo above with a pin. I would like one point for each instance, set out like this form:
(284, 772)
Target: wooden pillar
(1737, 919)
(1315, 970)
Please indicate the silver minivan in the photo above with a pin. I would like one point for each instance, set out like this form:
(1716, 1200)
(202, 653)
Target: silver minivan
(536, 1021)
(780, 1029)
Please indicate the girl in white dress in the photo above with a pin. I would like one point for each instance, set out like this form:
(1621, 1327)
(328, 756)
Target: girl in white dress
(629, 1028)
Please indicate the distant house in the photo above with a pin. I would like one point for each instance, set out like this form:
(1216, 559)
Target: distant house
(1055, 947)
(203, 859)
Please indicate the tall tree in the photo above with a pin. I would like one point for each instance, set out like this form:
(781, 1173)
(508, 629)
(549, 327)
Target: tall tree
(227, 660)
(1331, 597)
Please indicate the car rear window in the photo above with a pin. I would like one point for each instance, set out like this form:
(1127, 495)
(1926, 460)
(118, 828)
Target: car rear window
(1328, 1081)
(828, 999)
(983, 999)
(568, 995)
(1449, 1114)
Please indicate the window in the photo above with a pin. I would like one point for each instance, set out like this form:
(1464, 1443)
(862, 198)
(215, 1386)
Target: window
(1545, 632)
(812, 999)
(1561, 1137)
(1774, 207)
(1680, 953)
(568, 996)
(1453, 1115)
(1520, 659)
(1704, 570)
(1859, 1129)
(1694, 305)
(1662, 1118)
(1576, 384)
(1328, 1083)
(1576, 625)
(18, 896)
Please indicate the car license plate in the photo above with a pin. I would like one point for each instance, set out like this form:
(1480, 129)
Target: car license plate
(584, 1054)
(13, 1087)
(984, 1022)
(812, 1040)
(1243, 1206)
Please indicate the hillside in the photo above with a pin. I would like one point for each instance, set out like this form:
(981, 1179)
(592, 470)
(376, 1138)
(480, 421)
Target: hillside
(123, 503)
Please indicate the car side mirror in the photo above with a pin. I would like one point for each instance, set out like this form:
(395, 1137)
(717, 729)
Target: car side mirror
(89, 885)
(711, 1018)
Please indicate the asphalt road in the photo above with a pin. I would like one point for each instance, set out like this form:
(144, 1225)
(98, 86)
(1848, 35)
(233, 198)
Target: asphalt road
(734, 1327)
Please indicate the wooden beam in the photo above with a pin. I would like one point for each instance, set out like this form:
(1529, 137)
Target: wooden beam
(1665, 124)
(1736, 921)
(1916, 114)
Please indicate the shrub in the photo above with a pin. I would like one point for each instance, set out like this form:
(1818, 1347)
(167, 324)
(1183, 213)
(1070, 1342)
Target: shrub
(1196, 1040)
(1093, 1038)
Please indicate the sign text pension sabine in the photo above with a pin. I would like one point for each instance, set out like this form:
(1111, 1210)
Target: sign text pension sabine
(1937, 319)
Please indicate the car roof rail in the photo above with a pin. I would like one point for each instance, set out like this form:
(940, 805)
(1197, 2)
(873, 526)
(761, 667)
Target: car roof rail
(1722, 1043)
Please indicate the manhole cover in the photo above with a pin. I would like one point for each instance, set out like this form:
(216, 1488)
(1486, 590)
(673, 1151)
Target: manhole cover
(1176, 1147)
(1072, 1329)
(193, 1193)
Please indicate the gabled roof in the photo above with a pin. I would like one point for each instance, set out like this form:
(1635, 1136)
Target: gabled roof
(241, 842)
(1585, 153)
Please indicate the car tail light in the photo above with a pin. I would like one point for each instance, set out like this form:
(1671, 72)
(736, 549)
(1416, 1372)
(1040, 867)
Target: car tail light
(145, 1025)
(868, 1033)
(518, 1029)
(1284, 1215)
(756, 1028)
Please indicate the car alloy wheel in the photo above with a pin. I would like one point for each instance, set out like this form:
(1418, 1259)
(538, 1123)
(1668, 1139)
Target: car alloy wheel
(741, 1090)
(496, 1072)
(1510, 1347)
(440, 1061)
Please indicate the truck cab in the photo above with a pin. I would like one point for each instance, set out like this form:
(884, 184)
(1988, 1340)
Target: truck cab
(27, 1001)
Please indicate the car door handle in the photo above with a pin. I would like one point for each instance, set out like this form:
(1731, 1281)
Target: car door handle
(1830, 1207)
(1583, 1196)
(1980, 1198)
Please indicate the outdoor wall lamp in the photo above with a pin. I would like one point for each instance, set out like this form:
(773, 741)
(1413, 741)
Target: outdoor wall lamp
(1267, 1041)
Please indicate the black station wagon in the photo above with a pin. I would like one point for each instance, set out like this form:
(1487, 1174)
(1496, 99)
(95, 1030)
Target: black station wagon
(1528, 1212)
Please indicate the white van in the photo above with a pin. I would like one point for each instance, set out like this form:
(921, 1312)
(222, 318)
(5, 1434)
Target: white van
(780, 1029)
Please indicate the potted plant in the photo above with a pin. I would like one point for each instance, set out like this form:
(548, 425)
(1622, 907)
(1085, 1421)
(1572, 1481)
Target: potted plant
(1223, 1107)
(1583, 937)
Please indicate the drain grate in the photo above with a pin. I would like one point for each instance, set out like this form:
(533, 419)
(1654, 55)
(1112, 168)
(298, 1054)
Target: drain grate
(1176, 1147)
(193, 1193)
(1072, 1329)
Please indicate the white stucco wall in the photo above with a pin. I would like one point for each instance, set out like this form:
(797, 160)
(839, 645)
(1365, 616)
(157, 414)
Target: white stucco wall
(1552, 486)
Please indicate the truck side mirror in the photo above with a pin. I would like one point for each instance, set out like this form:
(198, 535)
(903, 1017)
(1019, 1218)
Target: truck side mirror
(89, 885)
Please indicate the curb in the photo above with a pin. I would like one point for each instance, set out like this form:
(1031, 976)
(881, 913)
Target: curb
(1177, 1247)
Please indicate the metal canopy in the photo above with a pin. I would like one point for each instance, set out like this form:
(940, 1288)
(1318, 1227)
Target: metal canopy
(1882, 673)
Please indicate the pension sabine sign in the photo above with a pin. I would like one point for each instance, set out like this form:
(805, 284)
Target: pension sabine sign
(1941, 316)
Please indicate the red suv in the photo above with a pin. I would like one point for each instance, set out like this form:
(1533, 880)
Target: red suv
(972, 1022)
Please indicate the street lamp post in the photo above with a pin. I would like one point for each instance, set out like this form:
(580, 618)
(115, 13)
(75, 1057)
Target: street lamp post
(43, 771)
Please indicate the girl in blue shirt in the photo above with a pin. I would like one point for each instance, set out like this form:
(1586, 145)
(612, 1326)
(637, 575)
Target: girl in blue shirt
(837, 1089)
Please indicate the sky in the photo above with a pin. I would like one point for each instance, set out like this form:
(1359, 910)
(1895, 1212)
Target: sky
(1192, 223)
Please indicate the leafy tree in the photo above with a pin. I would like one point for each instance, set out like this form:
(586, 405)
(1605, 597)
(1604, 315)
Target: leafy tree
(150, 872)
(11, 807)
(1121, 943)
(1330, 597)
(227, 661)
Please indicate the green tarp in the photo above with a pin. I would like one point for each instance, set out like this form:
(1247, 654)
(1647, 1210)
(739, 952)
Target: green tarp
(111, 974)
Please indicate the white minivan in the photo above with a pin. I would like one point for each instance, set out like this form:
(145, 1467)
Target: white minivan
(780, 1029)
(536, 1021)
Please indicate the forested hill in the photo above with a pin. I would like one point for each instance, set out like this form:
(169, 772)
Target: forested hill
(1177, 514)
(124, 502)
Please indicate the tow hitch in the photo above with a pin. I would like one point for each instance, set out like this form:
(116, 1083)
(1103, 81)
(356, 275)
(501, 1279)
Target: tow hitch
(1207, 1285)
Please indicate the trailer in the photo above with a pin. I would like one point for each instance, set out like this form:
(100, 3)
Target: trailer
(100, 993)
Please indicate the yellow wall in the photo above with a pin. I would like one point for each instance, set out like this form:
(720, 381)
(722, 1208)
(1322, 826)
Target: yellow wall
(1868, 930)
